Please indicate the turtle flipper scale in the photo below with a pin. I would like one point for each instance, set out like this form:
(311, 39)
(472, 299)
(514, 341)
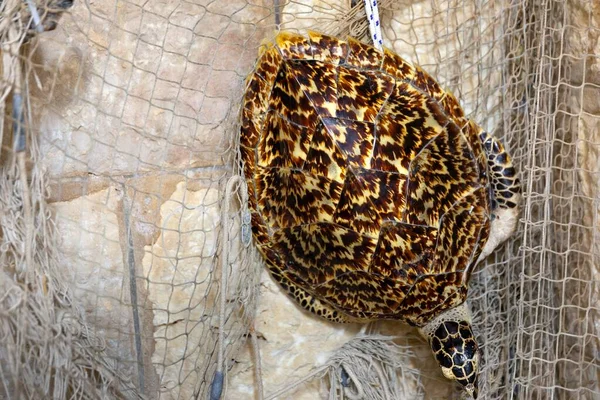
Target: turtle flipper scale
(505, 192)
(305, 299)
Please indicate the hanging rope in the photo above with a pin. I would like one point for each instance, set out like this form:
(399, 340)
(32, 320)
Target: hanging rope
(374, 23)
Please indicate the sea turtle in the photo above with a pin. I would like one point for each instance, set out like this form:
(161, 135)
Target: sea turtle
(371, 195)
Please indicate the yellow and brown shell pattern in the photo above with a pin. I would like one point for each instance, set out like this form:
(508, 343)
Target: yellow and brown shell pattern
(367, 185)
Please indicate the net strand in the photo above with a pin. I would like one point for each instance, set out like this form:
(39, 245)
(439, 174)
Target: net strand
(135, 109)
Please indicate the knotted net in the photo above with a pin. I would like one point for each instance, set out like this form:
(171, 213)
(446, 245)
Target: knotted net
(126, 268)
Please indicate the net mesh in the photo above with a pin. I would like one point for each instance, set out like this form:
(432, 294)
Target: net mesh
(127, 269)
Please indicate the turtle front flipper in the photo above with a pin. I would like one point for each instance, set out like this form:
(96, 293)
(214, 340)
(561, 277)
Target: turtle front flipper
(505, 193)
(305, 299)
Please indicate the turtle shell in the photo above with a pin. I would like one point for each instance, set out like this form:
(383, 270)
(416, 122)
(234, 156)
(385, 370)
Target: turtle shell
(367, 185)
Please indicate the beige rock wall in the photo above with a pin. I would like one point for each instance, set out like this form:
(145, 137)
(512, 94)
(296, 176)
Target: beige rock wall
(580, 327)
(135, 103)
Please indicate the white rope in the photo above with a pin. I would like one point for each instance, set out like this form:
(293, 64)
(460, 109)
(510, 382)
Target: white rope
(37, 21)
(374, 23)
(257, 364)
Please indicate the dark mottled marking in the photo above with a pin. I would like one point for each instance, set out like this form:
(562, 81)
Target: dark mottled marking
(397, 67)
(248, 163)
(251, 128)
(472, 132)
(404, 128)
(294, 46)
(283, 143)
(354, 210)
(453, 109)
(269, 65)
(423, 300)
(259, 228)
(442, 173)
(363, 56)
(386, 191)
(288, 197)
(374, 88)
(318, 81)
(318, 253)
(361, 294)
(425, 82)
(328, 48)
(257, 95)
(404, 251)
(370, 198)
(459, 233)
(353, 138)
(324, 156)
(289, 100)
(355, 161)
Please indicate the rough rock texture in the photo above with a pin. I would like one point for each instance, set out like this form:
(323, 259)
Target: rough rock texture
(92, 247)
(180, 286)
(135, 103)
(291, 342)
(158, 85)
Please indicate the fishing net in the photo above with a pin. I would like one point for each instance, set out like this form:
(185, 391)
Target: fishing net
(126, 264)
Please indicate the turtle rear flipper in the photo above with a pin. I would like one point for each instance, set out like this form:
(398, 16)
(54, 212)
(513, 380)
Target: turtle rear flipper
(505, 193)
(305, 299)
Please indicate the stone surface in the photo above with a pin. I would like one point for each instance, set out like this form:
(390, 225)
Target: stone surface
(179, 275)
(135, 103)
(90, 244)
(291, 343)
(111, 94)
(581, 94)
